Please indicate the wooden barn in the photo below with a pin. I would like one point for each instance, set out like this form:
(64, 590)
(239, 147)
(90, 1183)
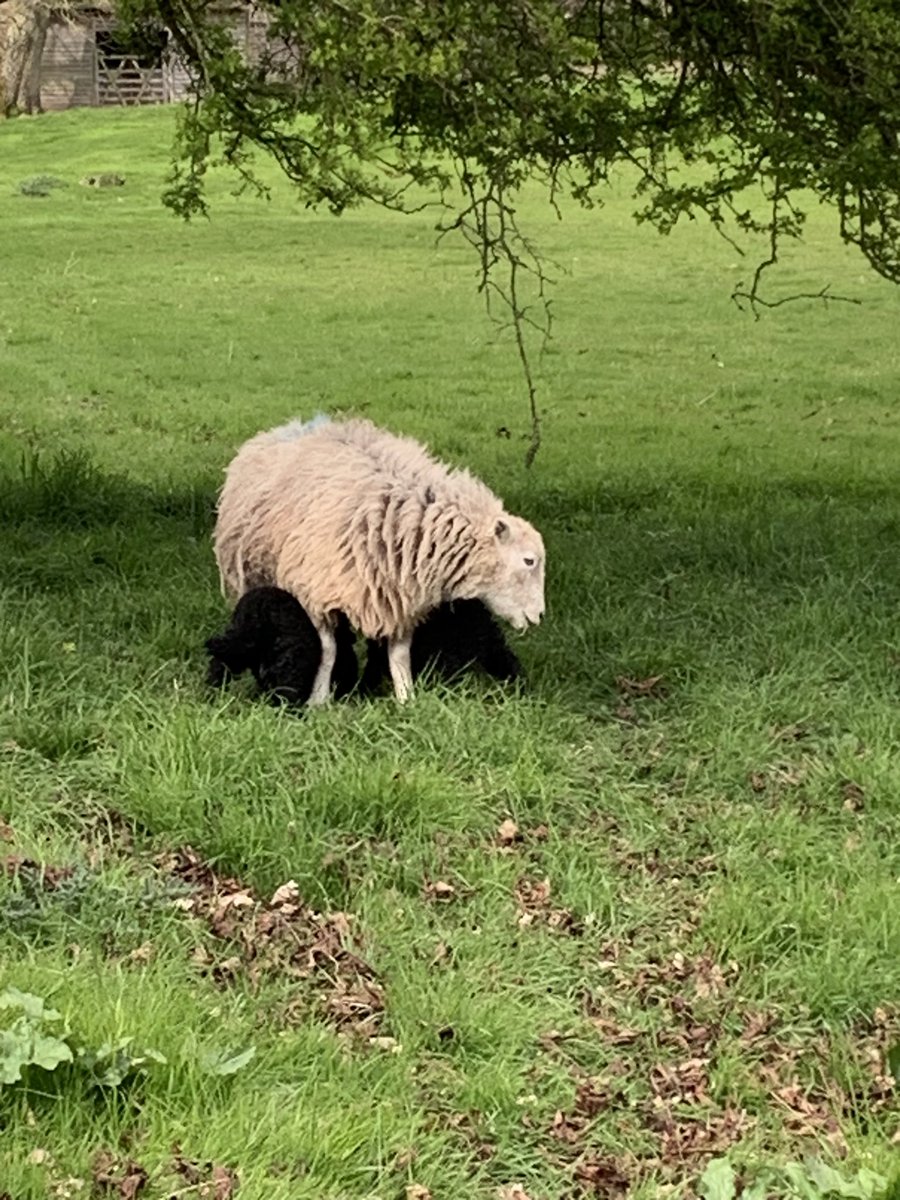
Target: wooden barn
(85, 64)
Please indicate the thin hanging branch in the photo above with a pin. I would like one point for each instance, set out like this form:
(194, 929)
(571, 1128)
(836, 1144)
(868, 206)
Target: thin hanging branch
(741, 295)
(489, 224)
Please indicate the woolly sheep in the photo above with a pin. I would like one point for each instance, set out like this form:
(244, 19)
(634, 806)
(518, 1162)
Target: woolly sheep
(271, 636)
(350, 518)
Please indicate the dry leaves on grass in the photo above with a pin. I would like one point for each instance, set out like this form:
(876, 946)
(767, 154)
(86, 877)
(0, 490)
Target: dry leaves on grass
(778, 776)
(662, 866)
(680, 979)
(807, 1113)
(509, 835)
(469, 1126)
(281, 937)
(206, 1180)
(696, 993)
(603, 1175)
(113, 1176)
(594, 1097)
(533, 903)
(443, 955)
(651, 686)
(853, 796)
(816, 1110)
(439, 891)
(685, 1136)
(611, 1030)
(44, 875)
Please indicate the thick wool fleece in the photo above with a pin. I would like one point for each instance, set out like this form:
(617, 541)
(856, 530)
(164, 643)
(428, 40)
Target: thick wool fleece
(350, 518)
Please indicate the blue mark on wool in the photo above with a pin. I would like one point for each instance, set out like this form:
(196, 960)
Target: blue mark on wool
(295, 429)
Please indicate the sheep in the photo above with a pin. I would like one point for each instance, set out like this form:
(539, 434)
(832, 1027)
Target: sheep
(453, 638)
(271, 635)
(350, 518)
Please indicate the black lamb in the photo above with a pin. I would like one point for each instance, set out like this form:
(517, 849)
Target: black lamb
(454, 638)
(271, 635)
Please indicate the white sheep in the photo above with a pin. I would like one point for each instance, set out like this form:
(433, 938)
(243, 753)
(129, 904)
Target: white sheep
(350, 518)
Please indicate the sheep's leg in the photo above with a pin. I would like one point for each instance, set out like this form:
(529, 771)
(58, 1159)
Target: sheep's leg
(401, 667)
(321, 688)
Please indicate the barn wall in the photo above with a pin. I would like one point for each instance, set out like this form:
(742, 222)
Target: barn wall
(69, 70)
(68, 66)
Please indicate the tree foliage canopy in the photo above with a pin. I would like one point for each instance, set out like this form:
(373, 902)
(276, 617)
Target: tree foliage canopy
(468, 99)
(360, 99)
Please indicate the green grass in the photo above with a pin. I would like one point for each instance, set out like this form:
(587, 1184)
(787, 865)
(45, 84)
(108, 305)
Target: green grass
(720, 502)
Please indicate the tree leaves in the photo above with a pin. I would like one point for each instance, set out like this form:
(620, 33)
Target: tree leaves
(477, 97)
(457, 105)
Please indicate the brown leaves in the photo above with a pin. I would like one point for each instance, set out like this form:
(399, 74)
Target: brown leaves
(602, 1175)
(684, 1135)
(532, 895)
(533, 902)
(206, 1180)
(853, 796)
(612, 1033)
(681, 1083)
(508, 833)
(593, 1096)
(807, 1113)
(121, 1178)
(438, 890)
(416, 1191)
(222, 1184)
(38, 874)
(443, 955)
(568, 1127)
(356, 1004)
(778, 776)
(651, 686)
(510, 837)
(631, 689)
(284, 938)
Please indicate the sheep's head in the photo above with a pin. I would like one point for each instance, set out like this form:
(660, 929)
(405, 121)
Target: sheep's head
(515, 590)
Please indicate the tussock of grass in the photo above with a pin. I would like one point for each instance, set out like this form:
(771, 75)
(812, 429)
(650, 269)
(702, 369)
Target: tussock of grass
(706, 867)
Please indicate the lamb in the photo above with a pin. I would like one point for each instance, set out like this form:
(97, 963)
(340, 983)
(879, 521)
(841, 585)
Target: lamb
(452, 639)
(271, 636)
(350, 518)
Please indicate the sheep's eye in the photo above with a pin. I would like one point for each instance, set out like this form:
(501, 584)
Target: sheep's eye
(529, 561)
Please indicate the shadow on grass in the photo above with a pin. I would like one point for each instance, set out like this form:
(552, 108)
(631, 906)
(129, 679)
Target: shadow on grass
(69, 491)
(67, 525)
(663, 577)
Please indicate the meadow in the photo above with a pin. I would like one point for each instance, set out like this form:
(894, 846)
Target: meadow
(576, 942)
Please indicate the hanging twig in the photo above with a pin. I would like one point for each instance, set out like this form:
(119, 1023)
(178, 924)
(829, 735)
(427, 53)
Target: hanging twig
(753, 297)
(488, 223)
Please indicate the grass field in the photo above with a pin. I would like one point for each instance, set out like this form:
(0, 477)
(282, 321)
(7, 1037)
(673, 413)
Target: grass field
(563, 944)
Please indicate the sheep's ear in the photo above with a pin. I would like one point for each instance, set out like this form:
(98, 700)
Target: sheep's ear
(501, 529)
